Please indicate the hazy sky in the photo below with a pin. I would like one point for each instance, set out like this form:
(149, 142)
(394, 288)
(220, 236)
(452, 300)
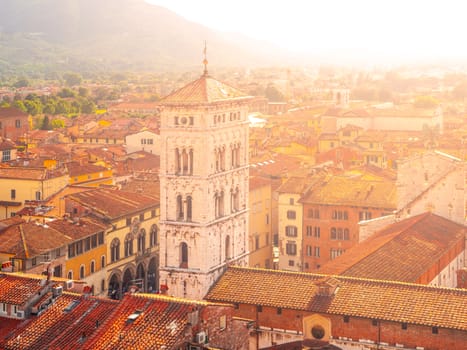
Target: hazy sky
(407, 28)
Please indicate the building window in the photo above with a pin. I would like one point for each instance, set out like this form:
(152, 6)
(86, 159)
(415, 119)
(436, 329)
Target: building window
(180, 215)
(317, 232)
(291, 248)
(153, 236)
(346, 319)
(317, 252)
(128, 245)
(291, 201)
(291, 263)
(256, 242)
(310, 213)
(100, 238)
(141, 217)
(309, 250)
(153, 213)
(184, 255)
(6, 155)
(92, 268)
(434, 330)
(13, 194)
(222, 322)
(336, 252)
(259, 308)
(128, 221)
(142, 240)
(291, 214)
(404, 325)
(102, 261)
(364, 215)
(34, 261)
(279, 311)
(81, 272)
(309, 231)
(70, 275)
(291, 231)
(316, 215)
(189, 208)
(374, 322)
(18, 123)
(115, 250)
(317, 332)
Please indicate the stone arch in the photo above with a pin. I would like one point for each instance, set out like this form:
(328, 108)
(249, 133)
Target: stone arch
(317, 327)
(153, 276)
(141, 277)
(128, 278)
(115, 285)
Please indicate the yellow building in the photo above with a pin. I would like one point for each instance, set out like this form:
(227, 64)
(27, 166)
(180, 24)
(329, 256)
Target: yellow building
(86, 252)
(131, 242)
(90, 175)
(260, 225)
(20, 184)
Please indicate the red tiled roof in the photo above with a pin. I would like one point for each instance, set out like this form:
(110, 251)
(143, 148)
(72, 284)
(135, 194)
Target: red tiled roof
(17, 290)
(402, 251)
(76, 169)
(30, 239)
(113, 203)
(12, 112)
(161, 321)
(373, 299)
(84, 227)
(6, 144)
(203, 90)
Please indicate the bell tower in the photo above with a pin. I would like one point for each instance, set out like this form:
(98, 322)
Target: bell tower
(204, 185)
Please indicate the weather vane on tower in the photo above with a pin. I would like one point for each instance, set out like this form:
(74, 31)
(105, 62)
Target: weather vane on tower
(205, 61)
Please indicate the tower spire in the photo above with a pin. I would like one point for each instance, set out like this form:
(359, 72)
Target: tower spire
(205, 61)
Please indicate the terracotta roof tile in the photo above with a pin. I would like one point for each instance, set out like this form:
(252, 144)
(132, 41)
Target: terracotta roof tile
(373, 299)
(17, 290)
(113, 203)
(203, 90)
(402, 251)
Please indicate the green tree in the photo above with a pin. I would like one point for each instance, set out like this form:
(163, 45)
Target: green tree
(20, 105)
(49, 108)
(83, 92)
(72, 79)
(46, 123)
(33, 107)
(66, 92)
(23, 82)
(88, 106)
(58, 124)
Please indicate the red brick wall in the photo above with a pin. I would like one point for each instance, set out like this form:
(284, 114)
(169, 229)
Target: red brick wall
(325, 223)
(360, 328)
(392, 333)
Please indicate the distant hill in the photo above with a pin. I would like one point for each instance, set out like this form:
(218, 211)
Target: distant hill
(107, 35)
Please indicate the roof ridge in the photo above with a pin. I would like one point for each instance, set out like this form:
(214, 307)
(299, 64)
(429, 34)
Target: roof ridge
(23, 240)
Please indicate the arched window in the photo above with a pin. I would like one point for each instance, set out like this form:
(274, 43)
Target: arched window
(115, 250)
(92, 269)
(81, 272)
(70, 275)
(227, 247)
(221, 203)
(153, 236)
(142, 240)
(346, 234)
(177, 161)
(102, 261)
(333, 233)
(189, 208)
(128, 245)
(180, 215)
(190, 156)
(185, 164)
(184, 255)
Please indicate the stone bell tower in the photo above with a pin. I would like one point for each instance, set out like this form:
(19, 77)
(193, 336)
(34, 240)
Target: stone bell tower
(204, 185)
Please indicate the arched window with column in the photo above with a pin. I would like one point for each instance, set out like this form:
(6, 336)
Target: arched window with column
(177, 161)
(184, 255)
(180, 214)
(142, 240)
(153, 236)
(189, 208)
(115, 250)
(227, 248)
(128, 245)
(185, 165)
